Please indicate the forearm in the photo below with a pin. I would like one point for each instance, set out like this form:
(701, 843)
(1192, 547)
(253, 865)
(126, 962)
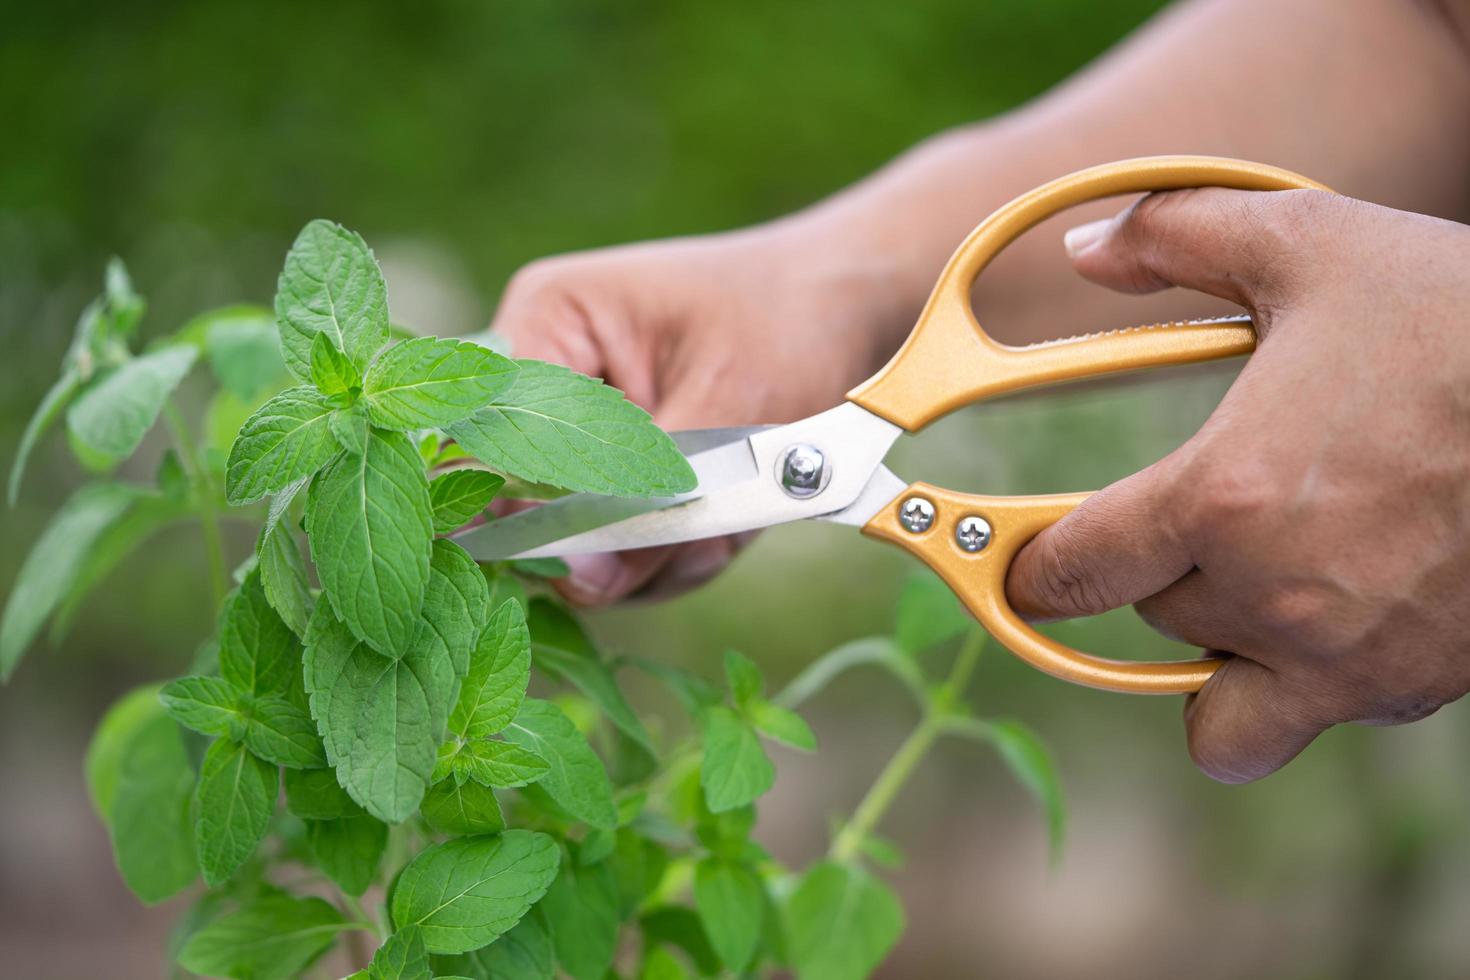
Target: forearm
(1369, 96)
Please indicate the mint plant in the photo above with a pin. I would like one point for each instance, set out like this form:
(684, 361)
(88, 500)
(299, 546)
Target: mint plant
(354, 764)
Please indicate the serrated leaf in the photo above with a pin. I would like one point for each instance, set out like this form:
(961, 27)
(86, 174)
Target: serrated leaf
(52, 404)
(928, 614)
(350, 427)
(289, 437)
(258, 653)
(465, 893)
(205, 704)
(281, 732)
(743, 677)
(402, 957)
(283, 576)
(234, 801)
(111, 417)
(735, 769)
(782, 724)
(503, 765)
(54, 561)
(272, 937)
(331, 371)
(348, 849)
(368, 520)
(558, 427)
(381, 720)
(243, 348)
(731, 903)
(499, 670)
(455, 604)
(581, 908)
(330, 284)
(460, 496)
(524, 953)
(462, 809)
(841, 922)
(576, 780)
(426, 382)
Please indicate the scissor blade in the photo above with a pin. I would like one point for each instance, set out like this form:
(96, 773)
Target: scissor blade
(738, 491)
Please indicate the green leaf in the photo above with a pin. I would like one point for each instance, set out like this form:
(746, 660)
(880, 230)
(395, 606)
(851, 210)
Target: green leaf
(425, 382)
(541, 567)
(371, 536)
(879, 651)
(330, 284)
(460, 496)
(350, 427)
(524, 953)
(782, 724)
(331, 371)
(273, 937)
(46, 413)
(124, 306)
(577, 780)
(348, 849)
(1029, 760)
(54, 562)
(731, 903)
(735, 769)
(928, 614)
(454, 607)
(281, 732)
(581, 908)
(503, 765)
(258, 653)
(142, 785)
(243, 347)
(112, 416)
(283, 576)
(499, 669)
(841, 923)
(402, 957)
(743, 677)
(558, 427)
(681, 927)
(381, 719)
(660, 964)
(562, 648)
(465, 893)
(315, 794)
(205, 704)
(233, 802)
(462, 809)
(289, 437)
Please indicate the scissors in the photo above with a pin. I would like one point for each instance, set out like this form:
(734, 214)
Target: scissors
(829, 467)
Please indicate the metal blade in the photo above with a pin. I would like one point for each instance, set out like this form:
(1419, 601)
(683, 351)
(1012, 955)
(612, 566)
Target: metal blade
(739, 490)
(692, 441)
(882, 490)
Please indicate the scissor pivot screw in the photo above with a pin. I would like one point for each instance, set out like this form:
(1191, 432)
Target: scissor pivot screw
(972, 533)
(916, 515)
(803, 471)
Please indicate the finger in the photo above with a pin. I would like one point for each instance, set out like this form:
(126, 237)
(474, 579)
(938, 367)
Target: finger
(1244, 246)
(1194, 610)
(1248, 721)
(1117, 547)
(647, 573)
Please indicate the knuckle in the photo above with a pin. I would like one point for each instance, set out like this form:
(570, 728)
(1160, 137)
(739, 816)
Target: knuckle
(1064, 580)
(1228, 499)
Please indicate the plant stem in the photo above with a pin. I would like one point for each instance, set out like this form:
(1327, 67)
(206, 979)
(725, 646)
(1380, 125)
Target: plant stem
(901, 766)
(204, 490)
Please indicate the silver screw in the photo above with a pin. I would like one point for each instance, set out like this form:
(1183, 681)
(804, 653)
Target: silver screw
(916, 515)
(972, 534)
(803, 471)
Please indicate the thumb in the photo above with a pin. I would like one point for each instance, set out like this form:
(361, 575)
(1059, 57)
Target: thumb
(1247, 722)
(1243, 246)
(1117, 547)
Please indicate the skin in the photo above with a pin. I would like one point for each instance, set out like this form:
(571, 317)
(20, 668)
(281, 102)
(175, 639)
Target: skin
(1317, 526)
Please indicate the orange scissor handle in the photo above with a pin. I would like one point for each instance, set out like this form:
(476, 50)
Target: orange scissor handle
(949, 361)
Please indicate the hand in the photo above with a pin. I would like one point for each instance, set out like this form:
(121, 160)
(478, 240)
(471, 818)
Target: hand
(1318, 526)
(767, 325)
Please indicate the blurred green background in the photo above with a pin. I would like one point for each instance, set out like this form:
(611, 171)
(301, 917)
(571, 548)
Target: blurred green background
(463, 139)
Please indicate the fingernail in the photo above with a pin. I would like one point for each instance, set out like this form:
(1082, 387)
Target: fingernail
(593, 577)
(1084, 237)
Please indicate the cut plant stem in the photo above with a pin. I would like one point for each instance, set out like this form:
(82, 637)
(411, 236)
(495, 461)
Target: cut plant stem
(901, 766)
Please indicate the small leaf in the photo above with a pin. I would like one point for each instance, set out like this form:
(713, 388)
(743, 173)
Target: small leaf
(124, 306)
(283, 576)
(558, 427)
(331, 371)
(234, 802)
(678, 926)
(205, 704)
(743, 677)
(499, 669)
(454, 607)
(349, 427)
(330, 284)
(524, 953)
(465, 893)
(112, 416)
(735, 769)
(841, 923)
(272, 937)
(402, 957)
(367, 518)
(782, 724)
(577, 780)
(462, 809)
(928, 614)
(348, 849)
(315, 794)
(426, 382)
(460, 496)
(731, 903)
(281, 732)
(503, 765)
(52, 404)
(289, 437)
(258, 653)
(581, 909)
